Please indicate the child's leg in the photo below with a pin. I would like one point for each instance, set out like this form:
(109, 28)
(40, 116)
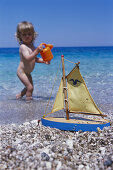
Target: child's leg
(31, 81)
(23, 92)
(26, 80)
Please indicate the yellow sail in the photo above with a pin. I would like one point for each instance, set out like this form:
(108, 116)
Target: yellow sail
(59, 101)
(79, 98)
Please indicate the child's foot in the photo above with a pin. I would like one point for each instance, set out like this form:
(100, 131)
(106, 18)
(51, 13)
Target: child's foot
(18, 96)
(29, 98)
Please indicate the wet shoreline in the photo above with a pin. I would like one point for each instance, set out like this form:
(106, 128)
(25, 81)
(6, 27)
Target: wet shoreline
(20, 111)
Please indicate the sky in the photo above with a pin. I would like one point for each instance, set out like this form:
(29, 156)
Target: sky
(63, 23)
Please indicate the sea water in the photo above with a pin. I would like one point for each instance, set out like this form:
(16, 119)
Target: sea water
(96, 67)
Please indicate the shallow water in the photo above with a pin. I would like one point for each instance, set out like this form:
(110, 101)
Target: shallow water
(96, 66)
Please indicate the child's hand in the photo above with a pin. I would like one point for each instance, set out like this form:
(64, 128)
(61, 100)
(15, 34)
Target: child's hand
(47, 62)
(40, 48)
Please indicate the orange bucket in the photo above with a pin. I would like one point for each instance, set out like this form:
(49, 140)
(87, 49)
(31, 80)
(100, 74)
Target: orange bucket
(46, 54)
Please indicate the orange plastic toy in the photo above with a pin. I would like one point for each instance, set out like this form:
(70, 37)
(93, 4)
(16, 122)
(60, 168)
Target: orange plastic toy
(46, 53)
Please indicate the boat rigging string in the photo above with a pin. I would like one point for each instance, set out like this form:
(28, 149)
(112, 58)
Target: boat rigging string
(54, 85)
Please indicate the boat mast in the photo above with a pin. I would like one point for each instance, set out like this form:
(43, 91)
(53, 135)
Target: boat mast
(64, 87)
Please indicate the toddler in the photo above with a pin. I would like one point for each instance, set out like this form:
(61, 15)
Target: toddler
(26, 36)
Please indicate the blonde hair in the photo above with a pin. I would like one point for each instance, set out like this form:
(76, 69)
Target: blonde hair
(23, 27)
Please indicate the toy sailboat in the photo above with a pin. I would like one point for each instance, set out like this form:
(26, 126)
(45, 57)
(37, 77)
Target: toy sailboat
(77, 100)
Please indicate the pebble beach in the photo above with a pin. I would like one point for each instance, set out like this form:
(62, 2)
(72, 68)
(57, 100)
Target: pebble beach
(33, 146)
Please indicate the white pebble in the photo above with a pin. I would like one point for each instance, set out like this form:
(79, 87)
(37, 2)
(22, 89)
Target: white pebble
(58, 165)
(80, 167)
(102, 149)
(48, 165)
(69, 142)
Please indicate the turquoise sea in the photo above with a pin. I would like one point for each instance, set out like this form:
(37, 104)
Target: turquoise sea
(96, 67)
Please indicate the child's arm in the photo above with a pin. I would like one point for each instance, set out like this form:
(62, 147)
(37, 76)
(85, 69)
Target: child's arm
(25, 53)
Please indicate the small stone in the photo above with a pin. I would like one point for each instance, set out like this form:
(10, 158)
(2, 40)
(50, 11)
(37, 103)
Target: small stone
(48, 165)
(54, 149)
(99, 130)
(70, 150)
(80, 167)
(108, 162)
(45, 143)
(102, 150)
(18, 141)
(67, 158)
(44, 156)
(58, 165)
(69, 143)
(48, 137)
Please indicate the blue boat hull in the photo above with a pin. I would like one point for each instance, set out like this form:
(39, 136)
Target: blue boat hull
(73, 126)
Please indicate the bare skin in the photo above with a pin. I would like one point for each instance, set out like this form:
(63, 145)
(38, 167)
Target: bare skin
(28, 58)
